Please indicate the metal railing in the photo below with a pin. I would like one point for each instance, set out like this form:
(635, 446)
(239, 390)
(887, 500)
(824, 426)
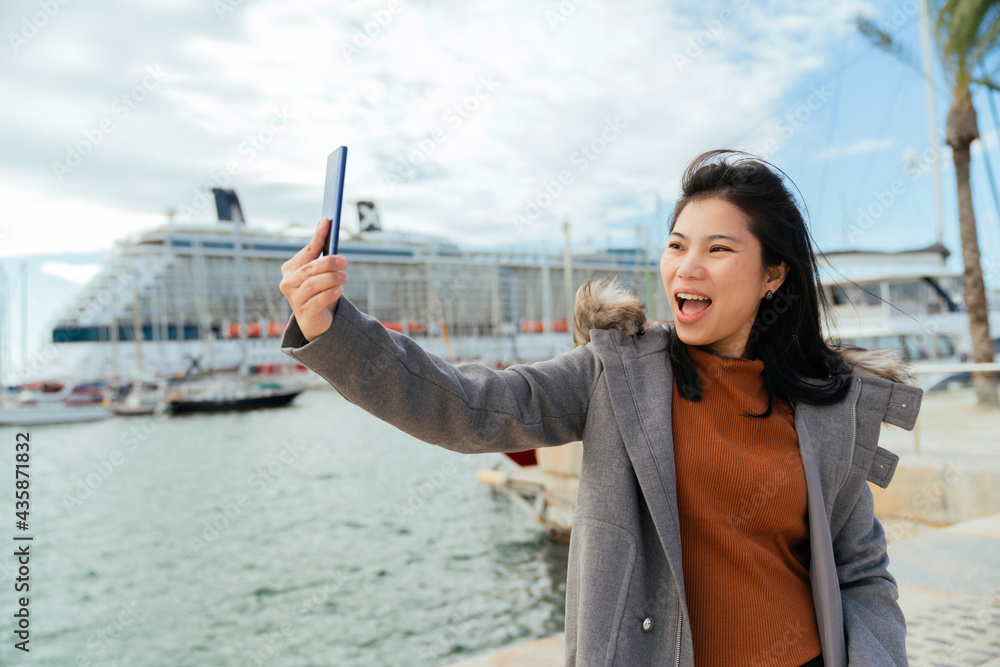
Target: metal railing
(947, 368)
(955, 367)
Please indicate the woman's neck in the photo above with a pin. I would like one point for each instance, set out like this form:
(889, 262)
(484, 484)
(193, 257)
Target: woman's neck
(749, 352)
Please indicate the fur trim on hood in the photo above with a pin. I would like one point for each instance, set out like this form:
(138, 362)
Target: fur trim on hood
(603, 303)
(885, 363)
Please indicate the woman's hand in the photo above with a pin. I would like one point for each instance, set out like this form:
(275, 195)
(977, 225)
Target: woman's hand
(313, 284)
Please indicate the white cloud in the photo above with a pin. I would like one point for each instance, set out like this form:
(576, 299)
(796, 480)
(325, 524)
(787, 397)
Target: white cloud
(556, 86)
(37, 222)
(987, 141)
(860, 147)
(79, 274)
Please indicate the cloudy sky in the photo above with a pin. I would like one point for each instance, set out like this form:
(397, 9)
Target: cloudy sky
(459, 117)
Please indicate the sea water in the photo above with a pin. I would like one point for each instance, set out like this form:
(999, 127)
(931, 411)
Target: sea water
(308, 535)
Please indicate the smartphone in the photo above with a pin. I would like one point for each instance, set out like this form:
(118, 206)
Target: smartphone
(333, 197)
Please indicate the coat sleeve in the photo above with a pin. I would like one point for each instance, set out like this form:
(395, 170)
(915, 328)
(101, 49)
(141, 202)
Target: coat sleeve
(873, 621)
(468, 408)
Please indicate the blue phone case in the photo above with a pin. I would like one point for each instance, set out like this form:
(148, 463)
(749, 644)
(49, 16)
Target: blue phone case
(333, 196)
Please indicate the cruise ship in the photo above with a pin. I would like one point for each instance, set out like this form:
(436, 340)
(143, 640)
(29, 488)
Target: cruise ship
(169, 301)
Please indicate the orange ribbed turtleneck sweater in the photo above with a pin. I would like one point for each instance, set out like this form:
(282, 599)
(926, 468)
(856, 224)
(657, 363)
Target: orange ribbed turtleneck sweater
(741, 497)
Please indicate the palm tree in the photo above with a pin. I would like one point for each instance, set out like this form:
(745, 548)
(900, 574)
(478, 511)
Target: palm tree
(965, 31)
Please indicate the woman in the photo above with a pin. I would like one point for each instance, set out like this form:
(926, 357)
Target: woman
(724, 515)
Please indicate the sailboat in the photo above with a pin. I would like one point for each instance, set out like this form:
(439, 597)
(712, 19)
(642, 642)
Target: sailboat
(230, 394)
(238, 391)
(144, 395)
(42, 402)
(51, 403)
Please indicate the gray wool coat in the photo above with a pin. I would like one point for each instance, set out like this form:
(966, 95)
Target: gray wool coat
(625, 601)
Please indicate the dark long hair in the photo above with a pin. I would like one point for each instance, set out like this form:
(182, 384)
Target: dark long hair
(786, 332)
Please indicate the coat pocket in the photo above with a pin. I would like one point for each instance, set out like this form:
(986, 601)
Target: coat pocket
(602, 558)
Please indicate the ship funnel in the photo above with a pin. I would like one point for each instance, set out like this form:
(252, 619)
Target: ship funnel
(368, 219)
(228, 205)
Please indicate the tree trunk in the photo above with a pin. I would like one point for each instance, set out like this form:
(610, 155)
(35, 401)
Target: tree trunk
(962, 131)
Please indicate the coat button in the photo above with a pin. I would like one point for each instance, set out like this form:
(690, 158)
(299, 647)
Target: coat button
(647, 624)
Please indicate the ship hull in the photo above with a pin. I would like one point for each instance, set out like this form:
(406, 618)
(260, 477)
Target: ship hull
(56, 414)
(275, 399)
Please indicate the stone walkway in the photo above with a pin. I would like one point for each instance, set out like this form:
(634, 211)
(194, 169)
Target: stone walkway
(960, 633)
(949, 589)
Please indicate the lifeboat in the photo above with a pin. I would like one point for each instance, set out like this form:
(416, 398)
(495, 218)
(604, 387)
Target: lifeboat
(532, 326)
(416, 327)
(253, 330)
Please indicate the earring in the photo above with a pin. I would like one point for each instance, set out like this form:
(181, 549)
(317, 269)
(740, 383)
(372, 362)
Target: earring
(769, 295)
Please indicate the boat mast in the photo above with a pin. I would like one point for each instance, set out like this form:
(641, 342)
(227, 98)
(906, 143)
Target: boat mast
(24, 320)
(137, 330)
(568, 275)
(654, 271)
(228, 208)
(4, 304)
(925, 41)
(241, 295)
(114, 337)
(204, 318)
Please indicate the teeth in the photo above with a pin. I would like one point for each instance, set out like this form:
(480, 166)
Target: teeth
(693, 297)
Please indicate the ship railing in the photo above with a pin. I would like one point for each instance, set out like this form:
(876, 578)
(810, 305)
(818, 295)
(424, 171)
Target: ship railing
(957, 367)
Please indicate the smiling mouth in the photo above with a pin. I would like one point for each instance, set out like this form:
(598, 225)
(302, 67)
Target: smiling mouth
(692, 305)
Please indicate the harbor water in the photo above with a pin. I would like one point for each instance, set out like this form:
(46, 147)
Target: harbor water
(307, 535)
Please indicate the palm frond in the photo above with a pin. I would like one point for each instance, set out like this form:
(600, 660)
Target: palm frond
(966, 30)
(881, 39)
(989, 35)
(874, 33)
(987, 83)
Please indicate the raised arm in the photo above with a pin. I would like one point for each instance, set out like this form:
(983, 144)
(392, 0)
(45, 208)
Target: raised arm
(468, 408)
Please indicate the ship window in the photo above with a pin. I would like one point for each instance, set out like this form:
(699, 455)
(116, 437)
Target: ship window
(852, 294)
(72, 334)
(914, 348)
(946, 347)
(909, 292)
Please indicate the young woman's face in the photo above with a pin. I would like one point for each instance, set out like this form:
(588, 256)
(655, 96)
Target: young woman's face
(713, 258)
